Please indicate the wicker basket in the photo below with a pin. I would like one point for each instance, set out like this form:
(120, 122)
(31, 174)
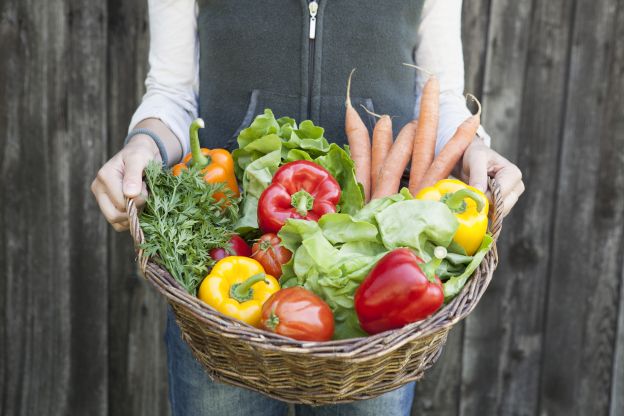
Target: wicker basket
(315, 372)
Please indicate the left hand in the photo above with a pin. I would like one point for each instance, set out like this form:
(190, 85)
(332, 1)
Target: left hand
(480, 161)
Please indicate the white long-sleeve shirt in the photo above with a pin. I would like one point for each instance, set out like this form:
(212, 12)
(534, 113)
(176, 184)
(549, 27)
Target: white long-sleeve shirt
(173, 79)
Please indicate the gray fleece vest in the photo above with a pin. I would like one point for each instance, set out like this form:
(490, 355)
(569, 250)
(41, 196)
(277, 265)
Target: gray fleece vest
(294, 57)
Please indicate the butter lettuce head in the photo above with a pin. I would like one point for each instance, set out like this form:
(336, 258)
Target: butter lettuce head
(268, 143)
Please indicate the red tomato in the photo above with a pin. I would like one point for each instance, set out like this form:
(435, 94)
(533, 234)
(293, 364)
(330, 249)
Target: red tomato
(270, 254)
(238, 247)
(297, 313)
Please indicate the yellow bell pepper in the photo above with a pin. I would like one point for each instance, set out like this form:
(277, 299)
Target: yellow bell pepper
(237, 286)
(470, 207)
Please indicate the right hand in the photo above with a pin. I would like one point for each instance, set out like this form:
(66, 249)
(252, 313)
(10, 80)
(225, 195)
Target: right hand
(122, 177)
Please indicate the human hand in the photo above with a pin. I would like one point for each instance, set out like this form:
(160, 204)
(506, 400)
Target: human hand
(122, 177)
(480, 162)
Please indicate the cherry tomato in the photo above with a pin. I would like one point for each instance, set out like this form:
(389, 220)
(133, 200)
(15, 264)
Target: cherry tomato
(238, 247)
(297, 313)
(270, 254)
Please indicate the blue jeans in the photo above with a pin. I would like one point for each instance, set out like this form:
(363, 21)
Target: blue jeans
(192, 393)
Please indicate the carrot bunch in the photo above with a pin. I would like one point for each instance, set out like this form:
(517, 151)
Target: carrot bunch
(379, 167)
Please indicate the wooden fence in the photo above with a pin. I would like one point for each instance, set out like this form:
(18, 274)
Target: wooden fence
(81, 333)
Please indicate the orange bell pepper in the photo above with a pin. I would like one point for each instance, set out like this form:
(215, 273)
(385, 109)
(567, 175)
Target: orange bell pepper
(216, 165)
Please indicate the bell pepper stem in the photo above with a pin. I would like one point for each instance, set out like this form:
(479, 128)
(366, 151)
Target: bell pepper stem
(197, 157)
(243, 292)
(302, 201)
(429, 269)
(273, 321)
(455, 201)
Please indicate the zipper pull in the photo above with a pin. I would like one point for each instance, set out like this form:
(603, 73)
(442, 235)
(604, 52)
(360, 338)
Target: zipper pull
(313, 8)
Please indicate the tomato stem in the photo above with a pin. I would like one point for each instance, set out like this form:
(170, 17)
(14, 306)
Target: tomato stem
(273, 321)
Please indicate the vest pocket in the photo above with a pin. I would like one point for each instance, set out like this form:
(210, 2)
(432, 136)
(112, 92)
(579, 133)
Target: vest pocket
(332, 116)
(281, 105)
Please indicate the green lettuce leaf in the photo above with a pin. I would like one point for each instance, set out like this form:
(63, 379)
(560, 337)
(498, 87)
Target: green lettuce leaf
(413, 222)
(455, 284)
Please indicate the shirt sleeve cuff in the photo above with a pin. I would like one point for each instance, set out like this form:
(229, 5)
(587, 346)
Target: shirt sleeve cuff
(166, 110)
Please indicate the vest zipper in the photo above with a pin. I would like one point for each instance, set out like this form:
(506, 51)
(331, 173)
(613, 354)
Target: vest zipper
(313, 9)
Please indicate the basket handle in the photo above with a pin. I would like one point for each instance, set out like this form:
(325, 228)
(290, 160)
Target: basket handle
(136, 232)
(496, 219)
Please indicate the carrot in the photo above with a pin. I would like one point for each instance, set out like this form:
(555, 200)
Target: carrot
(382, 141)
(448, 157)
(398, 157)
(424, 143)
(359, 142)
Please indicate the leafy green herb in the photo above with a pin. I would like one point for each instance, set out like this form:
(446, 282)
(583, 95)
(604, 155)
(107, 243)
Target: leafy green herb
(182, 221)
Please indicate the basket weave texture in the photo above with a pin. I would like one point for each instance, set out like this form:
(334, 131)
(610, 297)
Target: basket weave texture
(315, 373)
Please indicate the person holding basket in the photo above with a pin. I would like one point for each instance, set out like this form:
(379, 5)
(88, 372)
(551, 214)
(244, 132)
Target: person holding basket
(226, 61)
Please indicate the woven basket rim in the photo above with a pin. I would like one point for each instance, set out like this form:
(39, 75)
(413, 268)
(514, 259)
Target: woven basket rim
(361, 348)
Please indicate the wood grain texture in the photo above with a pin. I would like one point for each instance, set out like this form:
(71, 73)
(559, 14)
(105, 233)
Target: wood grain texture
(587, 244)
(55, 358)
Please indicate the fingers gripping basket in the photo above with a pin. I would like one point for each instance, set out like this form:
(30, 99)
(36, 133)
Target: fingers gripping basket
(307, 372)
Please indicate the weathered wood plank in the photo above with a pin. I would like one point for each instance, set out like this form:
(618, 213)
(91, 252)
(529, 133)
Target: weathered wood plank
(137, 371)
(475, 25)
(616, 129)
(55, 304)
(506, 330)
(617, 385)
(587, 244)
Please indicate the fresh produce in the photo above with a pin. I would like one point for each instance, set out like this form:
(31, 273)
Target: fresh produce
(359, 142)
(452, 152)
(470, 207)
(269, 252)
(399, 290)
(426, 134)
(302, 190)
(216, 165)
(399, 156)
(268, 143)
(183, 220)
(299, 314)
(382, 142)
(332, 257)
(347, 269)
(235, 247)
(238, 287)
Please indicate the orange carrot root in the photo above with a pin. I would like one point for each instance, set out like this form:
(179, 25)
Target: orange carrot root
(389, 177)
(452, 152)
(382, 142)
(425, 141)
(359, 142)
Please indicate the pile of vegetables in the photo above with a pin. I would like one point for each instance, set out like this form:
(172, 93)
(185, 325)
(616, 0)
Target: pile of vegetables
(319, 242)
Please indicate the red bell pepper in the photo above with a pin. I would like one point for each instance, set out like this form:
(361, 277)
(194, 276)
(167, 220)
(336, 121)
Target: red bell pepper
(301, 190)
(399, 290)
